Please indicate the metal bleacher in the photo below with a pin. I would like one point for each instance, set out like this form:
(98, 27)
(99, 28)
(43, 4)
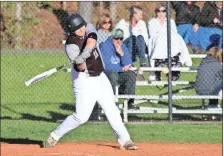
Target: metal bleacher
(155, 98)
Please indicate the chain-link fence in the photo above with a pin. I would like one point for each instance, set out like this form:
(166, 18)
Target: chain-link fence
(32, 35)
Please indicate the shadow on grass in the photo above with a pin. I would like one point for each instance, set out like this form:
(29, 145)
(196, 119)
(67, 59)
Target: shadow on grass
(6, 118)
(21, 141)
(67, 106)
(179, 90)
(28, 116)
(57, 116)
(178, 106)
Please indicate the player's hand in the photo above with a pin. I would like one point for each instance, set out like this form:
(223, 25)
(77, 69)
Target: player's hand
(119, 50)
(216, 20)
(127, 67)
(90, 43)
(195, 27)
(81, 67)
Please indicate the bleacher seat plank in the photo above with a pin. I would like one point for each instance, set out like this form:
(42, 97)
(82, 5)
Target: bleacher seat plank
(155, 83)
(181, 69)
(145, 69)
(198, 55)
(145, 110)
(165, 97)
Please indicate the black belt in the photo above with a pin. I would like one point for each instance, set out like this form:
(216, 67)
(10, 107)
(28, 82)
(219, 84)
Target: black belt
(92, 74)
(95, 74)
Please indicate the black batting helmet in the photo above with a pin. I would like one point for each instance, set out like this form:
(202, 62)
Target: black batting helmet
(74, 22)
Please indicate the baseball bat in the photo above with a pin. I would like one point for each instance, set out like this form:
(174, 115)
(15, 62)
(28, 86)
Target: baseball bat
(45, 74)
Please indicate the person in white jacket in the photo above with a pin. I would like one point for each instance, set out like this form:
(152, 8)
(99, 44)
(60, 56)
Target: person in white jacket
(157, 45)
(135, 34)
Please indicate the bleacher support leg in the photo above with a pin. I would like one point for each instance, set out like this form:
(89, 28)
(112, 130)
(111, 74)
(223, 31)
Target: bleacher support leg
(203, 103)
(125, 111)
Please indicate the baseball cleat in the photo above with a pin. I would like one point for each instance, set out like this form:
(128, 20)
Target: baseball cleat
(129, 146)
(51, 142)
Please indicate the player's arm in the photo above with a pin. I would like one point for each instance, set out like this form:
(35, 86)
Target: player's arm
(90, 44)
(80, 60)
(72, 51)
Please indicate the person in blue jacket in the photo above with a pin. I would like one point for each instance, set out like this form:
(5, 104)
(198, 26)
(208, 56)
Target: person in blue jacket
(117, 64)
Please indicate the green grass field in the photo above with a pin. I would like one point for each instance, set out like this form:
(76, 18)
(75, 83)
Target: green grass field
(32, 112)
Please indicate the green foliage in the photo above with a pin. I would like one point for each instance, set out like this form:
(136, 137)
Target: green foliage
(45, 5)
(18, 27)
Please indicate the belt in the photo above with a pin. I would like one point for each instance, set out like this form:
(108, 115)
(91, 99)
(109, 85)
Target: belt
(91, 74)
(95, 74)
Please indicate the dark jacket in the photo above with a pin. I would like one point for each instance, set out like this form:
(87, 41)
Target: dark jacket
(209, 76)
(186, 14)
(208, 13)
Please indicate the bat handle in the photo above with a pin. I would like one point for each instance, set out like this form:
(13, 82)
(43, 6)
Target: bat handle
(60, 67)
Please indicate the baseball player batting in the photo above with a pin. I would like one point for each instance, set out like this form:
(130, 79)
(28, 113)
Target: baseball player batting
(90, 84)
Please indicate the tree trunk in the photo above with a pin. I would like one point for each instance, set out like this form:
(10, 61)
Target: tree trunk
(63, 5)
(85, 10)
(18, 20)
(113, 10)
(101, 7)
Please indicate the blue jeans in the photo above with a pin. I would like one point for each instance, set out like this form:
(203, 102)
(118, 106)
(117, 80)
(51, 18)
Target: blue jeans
(218, 87)
(136, 46)
(189, 36)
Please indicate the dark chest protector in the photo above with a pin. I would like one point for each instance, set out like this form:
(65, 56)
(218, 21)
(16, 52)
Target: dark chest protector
(94, 62)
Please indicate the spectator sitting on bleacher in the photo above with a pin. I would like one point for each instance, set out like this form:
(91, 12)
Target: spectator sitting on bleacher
(104, 27)
(211, 23)
(209, 76)
(117, 64)
(135, 34)
(187, 20)
(158, 54)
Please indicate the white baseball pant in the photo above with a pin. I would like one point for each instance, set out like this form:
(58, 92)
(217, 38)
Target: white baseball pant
(87, 91)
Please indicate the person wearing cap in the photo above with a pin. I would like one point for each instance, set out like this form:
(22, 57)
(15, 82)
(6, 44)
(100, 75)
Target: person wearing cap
(135, 34)
(90, 84)
(117, 63)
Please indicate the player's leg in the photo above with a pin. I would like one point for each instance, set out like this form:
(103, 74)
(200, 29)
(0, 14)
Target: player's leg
(85, 101)
(106, 100)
